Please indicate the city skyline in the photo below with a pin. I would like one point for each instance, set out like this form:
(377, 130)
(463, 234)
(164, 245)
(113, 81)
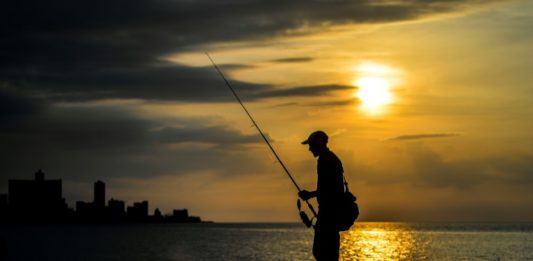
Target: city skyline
(41, 200)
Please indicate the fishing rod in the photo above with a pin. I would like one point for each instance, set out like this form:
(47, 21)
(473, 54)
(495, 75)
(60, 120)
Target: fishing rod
(262, 135)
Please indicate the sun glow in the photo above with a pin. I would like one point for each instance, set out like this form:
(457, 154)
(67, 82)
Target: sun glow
(373, 92)
(374, 82)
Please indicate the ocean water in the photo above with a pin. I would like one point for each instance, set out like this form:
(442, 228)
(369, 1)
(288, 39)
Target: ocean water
(365, 241)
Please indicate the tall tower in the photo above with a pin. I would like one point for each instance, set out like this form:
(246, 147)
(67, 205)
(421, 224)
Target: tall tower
(99, 194)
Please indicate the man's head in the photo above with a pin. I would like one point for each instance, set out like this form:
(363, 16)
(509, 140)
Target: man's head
(317, 142)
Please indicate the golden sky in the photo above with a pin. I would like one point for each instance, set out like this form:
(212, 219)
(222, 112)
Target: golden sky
(438, 129)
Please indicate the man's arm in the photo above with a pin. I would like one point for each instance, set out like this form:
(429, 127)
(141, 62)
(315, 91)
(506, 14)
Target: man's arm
(305, 195)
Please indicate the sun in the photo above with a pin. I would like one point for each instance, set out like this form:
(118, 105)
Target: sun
(374, 84)
(374, 92)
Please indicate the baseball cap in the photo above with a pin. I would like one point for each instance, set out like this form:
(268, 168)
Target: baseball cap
(316, 136)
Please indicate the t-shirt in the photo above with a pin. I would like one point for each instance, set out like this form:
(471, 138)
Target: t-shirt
(330, 185)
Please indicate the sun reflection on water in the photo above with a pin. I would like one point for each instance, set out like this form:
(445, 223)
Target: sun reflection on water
(378, 241)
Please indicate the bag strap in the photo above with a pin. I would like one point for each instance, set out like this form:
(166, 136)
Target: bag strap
(347, 189)
(345, 183)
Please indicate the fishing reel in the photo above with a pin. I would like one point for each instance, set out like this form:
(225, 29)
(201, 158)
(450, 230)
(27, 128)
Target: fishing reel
(305, 219)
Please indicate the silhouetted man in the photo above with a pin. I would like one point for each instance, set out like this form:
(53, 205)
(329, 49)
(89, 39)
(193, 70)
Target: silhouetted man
(329, 191)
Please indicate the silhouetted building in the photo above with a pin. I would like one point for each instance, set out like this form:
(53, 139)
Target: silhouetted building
(39, 175)
(93, 212)
(180, 215)
(138, 212)
(84, 210)
(3, 201)
(3, 206)
(99, 209)
(36, 200)
(157, 217)
(157, 213)
(194, 219)
(116, 210)
(99, 194)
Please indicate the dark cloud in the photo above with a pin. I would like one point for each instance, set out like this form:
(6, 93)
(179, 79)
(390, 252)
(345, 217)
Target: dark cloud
(219, 135)
(344, 102)
(162, 82)
(293, 60)
(151, 82)
(515, 168)
(315, 90)
(424, 136)
(15, 107)
(341, 102)
(113, 49)
(72, 127)
(233, 66)
(285, 104)
(87, 143)
(185, 23)
(431, 169)
(157, 82)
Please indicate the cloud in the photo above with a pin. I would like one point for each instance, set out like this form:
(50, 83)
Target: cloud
(285, 104)
(235, 66)
(83, 50)
(165, 82)
(187, 23)
(423, 136)
(343, 102)
(515, 168)
(86, 143)
(302, 91)
(16, 107)
(419, 165)
(431, 169)
(219, 135)
(293, 60)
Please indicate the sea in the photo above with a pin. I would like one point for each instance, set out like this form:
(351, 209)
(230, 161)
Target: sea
(265, 241)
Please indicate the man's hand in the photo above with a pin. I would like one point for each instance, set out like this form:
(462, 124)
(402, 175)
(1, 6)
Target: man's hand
(305, 195)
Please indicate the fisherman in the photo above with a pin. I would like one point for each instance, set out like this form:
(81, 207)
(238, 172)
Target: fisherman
(329, 191)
